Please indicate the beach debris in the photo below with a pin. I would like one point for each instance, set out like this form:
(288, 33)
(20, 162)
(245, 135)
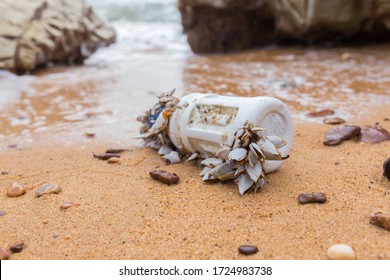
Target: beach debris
(333, 121)
(16, 190)
(341, 252)
(373, 134)
(380, 219)
(243, 160)
(164, 177)
(114, 160)
(172, 158)
(386, 169)
(16, 248)
(247, 250)
(321, 113)
(2, 213)
(315, 197)
(47, 189)
(66, 205)
(4, 172)
(105, 156)
(4, 254)
(341, 133)
(116, 150)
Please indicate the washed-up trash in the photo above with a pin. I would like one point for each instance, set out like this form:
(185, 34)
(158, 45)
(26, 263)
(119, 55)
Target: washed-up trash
(238, 138)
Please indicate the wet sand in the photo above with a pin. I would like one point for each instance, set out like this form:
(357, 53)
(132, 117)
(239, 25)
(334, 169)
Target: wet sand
(124, 214)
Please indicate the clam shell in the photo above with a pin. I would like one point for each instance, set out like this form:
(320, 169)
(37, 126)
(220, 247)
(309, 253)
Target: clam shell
(269, 148)
(252, 157)
(228, 176)
(212, 162)
(245, 183)
(259, 184)
(223, 153)
(172, 158)
(255, 172)
(204, 171)
(223, 168)
(238, 154)
(193, 157)
(164, 150)
(278, 142)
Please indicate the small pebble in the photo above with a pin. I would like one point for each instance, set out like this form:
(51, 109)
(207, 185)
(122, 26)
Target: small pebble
(373, 134)
(386, 169)
(67, 205)
(16, 248)
(89, 134)
(56, 234)
(116, 151)
(247, 250)
(341, 252)
(4, 172)
(4, 255)
(321, 113)
(2, 213)
(114, 160)
(164, 177)
(380, 219)
(47, 189)
(105, 156)
(16, 190)
(341, 133)
(333, 121)
(315, 197)
(345, 56)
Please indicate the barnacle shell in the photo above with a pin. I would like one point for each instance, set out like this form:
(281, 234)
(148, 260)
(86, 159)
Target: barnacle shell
(164, 150)
(211, 162)
(172, 158)
(238, 154)
(193, 157)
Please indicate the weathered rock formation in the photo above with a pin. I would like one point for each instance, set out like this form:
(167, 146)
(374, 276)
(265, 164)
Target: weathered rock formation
(36, 32)
(231, 25)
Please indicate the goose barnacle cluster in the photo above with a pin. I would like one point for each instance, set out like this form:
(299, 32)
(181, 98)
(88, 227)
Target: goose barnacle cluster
(243, 160)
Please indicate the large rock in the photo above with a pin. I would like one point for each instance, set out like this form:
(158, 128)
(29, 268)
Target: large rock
(36, 32)
(231, 25)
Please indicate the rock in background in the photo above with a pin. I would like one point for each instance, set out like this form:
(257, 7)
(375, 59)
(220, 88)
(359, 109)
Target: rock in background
(36, 32)
(232, 25)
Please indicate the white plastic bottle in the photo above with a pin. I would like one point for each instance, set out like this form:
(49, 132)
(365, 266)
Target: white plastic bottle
(202, 122)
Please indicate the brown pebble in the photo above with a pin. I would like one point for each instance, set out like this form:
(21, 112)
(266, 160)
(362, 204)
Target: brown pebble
(373, 134)
(333, 121)
(321, 113)
(164, 177)
(4, 172)
(341, 133)
(315, 197)
(105, 156)
(247, 250)
(114, 160)
(89, 134)
(386, 169)
(16, 190)
(116, 151)
(47, 189)
(4, 255)
(16, 248)
(2, 213)
(67, 205)
(380, 219)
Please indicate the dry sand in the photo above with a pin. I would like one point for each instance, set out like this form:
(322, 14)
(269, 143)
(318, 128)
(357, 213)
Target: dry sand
(124, 214)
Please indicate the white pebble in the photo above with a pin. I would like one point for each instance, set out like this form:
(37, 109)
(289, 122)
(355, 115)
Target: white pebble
(114, 160)
(341, 252)
(16, 190)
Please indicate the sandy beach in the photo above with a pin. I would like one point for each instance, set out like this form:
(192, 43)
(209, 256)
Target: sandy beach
(121, 213)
